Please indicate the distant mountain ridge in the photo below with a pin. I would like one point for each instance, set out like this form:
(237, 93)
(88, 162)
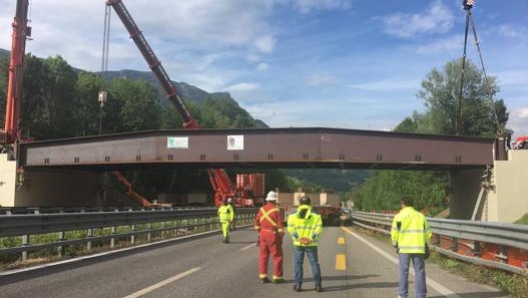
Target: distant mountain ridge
(332, 179)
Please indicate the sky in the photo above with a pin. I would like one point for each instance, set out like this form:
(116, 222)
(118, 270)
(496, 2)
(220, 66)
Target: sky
(354, 64)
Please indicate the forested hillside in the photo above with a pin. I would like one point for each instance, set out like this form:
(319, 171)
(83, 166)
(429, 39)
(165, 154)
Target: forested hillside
(60, 101)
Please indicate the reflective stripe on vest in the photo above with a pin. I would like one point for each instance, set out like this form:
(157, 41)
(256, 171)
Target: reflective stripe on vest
(265, 215)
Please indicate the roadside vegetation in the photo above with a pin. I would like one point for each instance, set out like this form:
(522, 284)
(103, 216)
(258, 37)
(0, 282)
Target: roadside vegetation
(516, 285)
(523, 220)
(482, 114)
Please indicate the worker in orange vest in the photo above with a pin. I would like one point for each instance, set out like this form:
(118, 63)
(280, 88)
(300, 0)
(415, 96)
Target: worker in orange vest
(270, 227)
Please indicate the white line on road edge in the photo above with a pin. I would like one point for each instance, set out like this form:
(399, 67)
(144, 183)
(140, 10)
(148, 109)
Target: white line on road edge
(438, 287)
(110, 252)
(249, 246)
(162, 283)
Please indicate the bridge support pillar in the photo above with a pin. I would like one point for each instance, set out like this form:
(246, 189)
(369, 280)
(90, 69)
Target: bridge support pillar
(464, 188)
(50, 188)
(8, 185)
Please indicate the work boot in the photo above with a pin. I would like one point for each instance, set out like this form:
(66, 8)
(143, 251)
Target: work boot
(297, 288)
(278, 280)
(227, 239)
(318, 288)
(264, 280)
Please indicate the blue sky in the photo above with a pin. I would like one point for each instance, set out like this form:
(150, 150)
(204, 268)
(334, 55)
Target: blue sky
(298, 63)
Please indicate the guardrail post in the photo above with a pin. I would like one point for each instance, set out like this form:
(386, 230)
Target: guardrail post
(25, 242)
(112, 240)
(132, 234)
(60, 248)
(149, 228)
(437, 240)
(163, 226)
(503, 255)
(476, 249)
(454, 244)
(89, 234)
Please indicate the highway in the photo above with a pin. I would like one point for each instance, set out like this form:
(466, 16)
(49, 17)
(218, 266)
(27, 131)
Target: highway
(352, 263)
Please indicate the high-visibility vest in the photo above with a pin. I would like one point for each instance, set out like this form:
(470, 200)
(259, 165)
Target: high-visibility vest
(226, 213)
(269, 218)
(310, 226)
(410, 231)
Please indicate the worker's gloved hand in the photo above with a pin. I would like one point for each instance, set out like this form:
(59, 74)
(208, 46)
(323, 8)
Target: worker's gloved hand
(397, 249)
(305, 240)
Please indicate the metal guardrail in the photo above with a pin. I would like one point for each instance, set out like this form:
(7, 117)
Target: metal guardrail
(27, 226)
(498, 245)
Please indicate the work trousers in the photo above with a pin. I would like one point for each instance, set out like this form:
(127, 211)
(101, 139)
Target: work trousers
(311, 253)
(270, 244)
(225, 229)
(418, 261)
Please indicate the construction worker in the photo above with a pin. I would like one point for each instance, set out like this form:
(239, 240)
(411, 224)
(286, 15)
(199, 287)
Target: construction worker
(226, 214)
(305, 226)
(270, 227)
(233, 222)
(410, 234)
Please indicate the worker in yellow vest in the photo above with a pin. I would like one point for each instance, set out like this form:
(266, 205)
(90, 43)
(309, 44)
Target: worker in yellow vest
(410, 234)
(305, 226)
(226, 215)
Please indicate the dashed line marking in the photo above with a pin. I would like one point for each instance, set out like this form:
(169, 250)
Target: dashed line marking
(341, 240)
(340, 264)
(162, 283)
(248, 247)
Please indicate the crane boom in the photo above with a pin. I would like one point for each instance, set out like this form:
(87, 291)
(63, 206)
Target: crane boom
(154, 64)
(219, 179)
(21, 31)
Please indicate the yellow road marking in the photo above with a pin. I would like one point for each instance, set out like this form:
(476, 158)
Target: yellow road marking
(340, 262)
(341, 240)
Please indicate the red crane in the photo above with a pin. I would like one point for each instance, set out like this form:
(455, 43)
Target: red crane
(220, 181)
(21, 31)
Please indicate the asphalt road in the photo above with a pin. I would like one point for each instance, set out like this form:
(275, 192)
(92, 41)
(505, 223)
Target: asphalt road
(352, 265)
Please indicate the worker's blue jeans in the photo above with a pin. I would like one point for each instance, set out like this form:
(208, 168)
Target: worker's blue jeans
(419, 275)
(311, 253)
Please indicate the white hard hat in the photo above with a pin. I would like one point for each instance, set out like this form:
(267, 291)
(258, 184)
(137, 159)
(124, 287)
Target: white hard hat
(272, 196)
(229, 200)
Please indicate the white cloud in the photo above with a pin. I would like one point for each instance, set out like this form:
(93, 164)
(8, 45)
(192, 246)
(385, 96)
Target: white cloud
(513, 77)
(321, 80)
(437, 19)
(519, 121)
(242, 87)
(391, 84)
(443, 45)
(265, 44)
(306, 6)
(511, 32)
(262, 66)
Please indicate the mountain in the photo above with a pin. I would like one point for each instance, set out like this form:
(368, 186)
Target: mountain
(187, 91)
(4, 54)
(336, 180)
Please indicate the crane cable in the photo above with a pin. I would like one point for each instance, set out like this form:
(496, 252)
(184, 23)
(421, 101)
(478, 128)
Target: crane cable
(104, 65)
(468, 4)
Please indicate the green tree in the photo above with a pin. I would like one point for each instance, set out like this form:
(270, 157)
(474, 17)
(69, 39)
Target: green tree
(481, 113)
(87, 111)
(131, 106)
(48, 98)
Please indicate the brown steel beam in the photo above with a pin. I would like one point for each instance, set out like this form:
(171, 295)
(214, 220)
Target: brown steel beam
(260, 148)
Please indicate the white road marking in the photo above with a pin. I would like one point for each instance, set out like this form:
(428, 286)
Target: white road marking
(438, 287)
(162, 283)
(249, 246)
